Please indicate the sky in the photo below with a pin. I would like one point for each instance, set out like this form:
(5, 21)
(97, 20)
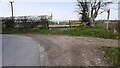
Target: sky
(61, 9)
(119, 11)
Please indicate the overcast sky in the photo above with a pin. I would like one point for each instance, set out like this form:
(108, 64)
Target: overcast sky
(61, 9)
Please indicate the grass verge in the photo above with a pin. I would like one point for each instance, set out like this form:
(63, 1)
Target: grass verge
(112, 54)
(97, 31)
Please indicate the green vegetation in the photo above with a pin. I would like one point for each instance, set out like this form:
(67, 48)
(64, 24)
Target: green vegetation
(97, 31)
(112, 54)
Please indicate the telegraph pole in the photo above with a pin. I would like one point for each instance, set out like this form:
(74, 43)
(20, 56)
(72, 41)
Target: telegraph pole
(12, 23)
(11, 2)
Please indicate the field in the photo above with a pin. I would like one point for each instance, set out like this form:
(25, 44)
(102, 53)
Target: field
(97, 31)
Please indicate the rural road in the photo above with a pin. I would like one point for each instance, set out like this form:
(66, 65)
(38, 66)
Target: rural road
(0, 50)
(60, 50)
(19, 51)
(54, 50)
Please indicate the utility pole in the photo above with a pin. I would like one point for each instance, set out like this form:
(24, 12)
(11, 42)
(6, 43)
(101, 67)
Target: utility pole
(12, 23)
(108, 19)
(11, 2)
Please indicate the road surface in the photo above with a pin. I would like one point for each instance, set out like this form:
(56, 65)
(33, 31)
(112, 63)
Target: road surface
(0, 50)
(19, 51)
(54, 50)
(60, 50)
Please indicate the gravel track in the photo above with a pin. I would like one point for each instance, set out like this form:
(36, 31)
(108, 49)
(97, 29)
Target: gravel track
(58, 50)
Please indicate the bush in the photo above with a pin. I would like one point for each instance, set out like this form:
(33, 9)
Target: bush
(25, 22)
(8, 22)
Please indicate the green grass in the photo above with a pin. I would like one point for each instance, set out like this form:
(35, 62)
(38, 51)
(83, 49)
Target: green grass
(97, 31)
(112, 54)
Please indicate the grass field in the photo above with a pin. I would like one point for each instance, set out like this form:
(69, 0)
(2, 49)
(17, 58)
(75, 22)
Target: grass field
(97, 31)
(112, 54)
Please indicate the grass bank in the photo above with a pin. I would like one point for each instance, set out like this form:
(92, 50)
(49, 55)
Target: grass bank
(97, 31)
(112, 54)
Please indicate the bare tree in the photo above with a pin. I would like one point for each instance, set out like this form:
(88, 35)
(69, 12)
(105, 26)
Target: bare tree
(90, 10)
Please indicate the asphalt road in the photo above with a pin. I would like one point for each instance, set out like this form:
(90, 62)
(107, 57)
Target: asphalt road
(19, 51)
(0, 50)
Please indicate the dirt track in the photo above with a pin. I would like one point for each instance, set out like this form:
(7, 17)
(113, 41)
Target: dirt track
(72, 51)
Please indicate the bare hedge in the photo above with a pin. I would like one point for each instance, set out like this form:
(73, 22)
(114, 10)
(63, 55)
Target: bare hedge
(25, 22)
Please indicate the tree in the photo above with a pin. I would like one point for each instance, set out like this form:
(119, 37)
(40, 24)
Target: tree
(90, 10)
